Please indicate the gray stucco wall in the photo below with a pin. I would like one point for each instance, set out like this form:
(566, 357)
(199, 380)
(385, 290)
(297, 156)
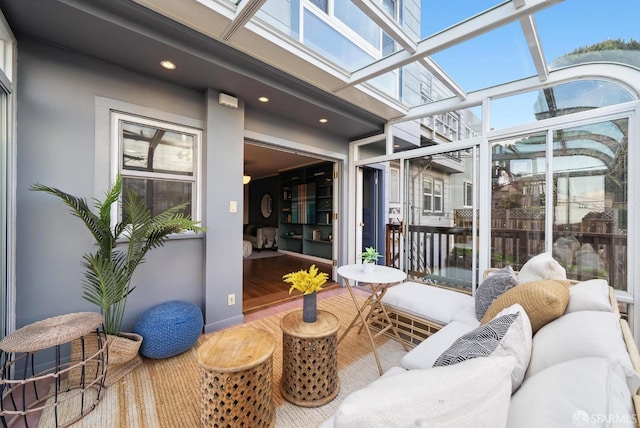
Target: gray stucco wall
(59, 145)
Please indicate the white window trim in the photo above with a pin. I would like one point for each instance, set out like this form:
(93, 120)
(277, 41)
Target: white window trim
(441, 196)
(426, 179)
(106, 162)
(467, 203)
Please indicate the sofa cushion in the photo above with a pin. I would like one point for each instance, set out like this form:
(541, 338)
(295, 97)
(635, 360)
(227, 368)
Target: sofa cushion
(492, 287)
(426, 353)
(578, 335)
(542, 266)
(473, 393)
(591, 295)
(574, 393)
(435, 304)
(543, 301)
(508, 334)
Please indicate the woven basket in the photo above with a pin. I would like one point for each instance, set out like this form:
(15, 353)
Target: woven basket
(123, 348)
(122, 353)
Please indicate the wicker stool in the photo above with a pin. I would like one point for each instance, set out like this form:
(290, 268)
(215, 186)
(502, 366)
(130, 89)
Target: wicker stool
(75, 387)
(309, 359)
(237, 376)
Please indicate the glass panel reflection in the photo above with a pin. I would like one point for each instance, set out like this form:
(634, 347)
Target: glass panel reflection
(147, 148)
(555, 101)
(590, 210)
(439, 238)
(160, 195)
(518, 180)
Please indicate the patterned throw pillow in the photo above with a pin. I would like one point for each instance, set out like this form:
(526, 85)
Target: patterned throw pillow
(492, 287)
(508, 334)
(477, 343)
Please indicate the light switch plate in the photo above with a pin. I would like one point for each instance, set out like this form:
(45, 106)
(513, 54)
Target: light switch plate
(233, 206)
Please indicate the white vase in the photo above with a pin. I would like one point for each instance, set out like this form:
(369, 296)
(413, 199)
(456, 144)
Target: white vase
(368, 267)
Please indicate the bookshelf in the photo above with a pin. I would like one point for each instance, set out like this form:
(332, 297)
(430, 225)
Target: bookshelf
(305, 222)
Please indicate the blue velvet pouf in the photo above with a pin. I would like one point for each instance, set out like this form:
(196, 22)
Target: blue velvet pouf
(169, 329)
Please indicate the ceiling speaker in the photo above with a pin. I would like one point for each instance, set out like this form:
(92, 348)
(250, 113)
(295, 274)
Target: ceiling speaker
(228, 101)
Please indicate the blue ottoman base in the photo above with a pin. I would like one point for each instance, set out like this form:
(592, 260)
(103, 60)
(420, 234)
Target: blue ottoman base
(169, 329)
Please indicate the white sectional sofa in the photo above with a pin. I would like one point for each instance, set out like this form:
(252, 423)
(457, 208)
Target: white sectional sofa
(545, 353)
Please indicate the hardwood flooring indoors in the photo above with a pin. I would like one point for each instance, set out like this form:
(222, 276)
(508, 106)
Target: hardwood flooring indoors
(263, 286)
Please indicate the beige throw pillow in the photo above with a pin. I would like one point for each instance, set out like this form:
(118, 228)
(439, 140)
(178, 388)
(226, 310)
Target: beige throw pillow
(543, 301)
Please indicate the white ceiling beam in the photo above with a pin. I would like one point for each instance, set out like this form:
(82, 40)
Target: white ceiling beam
(244, 12)
(479, 24)
(535, 48)
(387, 24)
(443, 77)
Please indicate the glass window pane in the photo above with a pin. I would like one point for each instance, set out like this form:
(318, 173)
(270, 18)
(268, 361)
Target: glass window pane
(147, 148)
(357, 21)
(517, 200)
(160, 195)
(437, 195)
(319, 36)
(439, 245)
(590, 209)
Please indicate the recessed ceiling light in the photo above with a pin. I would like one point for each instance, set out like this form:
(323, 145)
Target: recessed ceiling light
(168, 64)
(263, 99)
(324, 120)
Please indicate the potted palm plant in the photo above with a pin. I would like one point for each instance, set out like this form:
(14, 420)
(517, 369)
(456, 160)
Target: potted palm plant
(109, 269)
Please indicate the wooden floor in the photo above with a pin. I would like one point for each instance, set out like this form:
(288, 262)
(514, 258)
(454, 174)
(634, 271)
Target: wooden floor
(263, 286)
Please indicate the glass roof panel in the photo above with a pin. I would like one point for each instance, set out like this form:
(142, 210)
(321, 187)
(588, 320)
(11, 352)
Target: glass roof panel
(555, 101)
(412, 84)
(437, 15)
(488, 60)
(573, 24)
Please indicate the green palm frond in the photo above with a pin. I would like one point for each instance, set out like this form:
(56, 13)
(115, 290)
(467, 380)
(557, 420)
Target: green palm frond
(107, 281)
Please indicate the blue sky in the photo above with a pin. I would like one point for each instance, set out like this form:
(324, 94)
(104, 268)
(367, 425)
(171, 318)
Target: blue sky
(502, 54)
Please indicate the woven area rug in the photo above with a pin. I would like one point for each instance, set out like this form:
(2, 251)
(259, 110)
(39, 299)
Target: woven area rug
(166, 393)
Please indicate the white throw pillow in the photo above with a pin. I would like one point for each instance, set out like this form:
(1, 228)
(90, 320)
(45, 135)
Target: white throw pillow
(591, 295)
(579, 335)
(473, 393)
(586, 392)
(507, 334)
(542, 266)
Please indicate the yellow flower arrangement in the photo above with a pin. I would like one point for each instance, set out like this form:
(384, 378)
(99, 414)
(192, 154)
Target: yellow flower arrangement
(307, 282)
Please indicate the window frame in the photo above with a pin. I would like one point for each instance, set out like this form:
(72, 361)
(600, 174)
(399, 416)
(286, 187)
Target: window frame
(438, 207)
(427, 196)
(467, 194)
(116, 118)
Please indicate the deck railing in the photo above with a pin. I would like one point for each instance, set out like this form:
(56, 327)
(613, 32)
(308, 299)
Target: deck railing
(443, 255)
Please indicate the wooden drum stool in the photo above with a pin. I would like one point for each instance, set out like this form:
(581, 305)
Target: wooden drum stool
(237, 379)
(309, 359)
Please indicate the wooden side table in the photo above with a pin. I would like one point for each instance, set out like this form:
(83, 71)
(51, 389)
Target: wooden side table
(237, 379)
(309, 359)
(78, 384)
